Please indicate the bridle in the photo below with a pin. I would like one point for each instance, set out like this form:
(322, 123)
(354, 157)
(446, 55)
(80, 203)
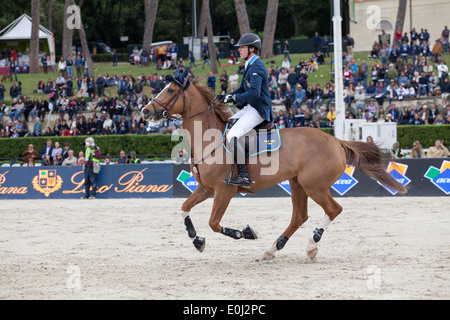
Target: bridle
(171, 103)
(167, 107)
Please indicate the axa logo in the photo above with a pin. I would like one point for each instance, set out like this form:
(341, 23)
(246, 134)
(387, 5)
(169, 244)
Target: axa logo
(440, 177)
(345, 182)
(398, 171)
(285, 186)
(187, 180)
(341, 186)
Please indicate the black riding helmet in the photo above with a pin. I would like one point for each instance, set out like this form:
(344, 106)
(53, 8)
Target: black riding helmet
(249, 39)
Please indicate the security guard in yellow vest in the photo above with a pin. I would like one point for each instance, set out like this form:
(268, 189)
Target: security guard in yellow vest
(91, 168)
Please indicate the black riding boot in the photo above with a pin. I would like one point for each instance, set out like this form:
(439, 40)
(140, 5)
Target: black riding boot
(243, 180)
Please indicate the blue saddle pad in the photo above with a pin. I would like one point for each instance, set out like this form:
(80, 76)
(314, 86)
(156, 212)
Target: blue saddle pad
(263, 141)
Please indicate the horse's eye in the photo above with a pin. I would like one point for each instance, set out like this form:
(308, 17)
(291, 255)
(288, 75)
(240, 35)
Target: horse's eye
(170, 90)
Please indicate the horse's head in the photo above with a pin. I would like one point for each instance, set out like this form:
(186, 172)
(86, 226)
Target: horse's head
(170, 100)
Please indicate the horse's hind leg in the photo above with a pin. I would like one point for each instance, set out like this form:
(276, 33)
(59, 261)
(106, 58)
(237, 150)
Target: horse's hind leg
(299, 216)
(199, 195)
(332, 210)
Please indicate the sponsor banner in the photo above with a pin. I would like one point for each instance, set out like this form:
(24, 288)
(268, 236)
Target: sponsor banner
(440, 177)
(115, 181)
(423, 177)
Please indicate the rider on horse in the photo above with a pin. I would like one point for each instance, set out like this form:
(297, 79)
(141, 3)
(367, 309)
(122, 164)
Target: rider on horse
(253, 101)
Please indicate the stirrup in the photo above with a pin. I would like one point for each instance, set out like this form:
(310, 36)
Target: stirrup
(241, 182)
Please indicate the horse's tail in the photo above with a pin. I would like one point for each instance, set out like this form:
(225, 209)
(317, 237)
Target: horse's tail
(367, 158)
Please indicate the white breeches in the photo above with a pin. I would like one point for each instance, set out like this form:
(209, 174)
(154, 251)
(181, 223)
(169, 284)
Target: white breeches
(248, 118)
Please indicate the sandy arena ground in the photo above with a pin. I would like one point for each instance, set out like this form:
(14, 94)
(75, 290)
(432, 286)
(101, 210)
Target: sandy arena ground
(378, 248)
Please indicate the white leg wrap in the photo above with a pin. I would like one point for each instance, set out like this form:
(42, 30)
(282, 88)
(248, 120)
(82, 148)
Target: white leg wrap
(324, 223)
(184, 214)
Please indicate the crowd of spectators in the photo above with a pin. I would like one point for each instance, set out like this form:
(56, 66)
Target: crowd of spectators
(409, 67)
(400, 71)
(53, 155)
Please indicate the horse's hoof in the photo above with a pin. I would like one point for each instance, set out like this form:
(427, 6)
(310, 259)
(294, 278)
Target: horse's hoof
(199, 243)
(249, 233)
(312, 254)
(268, 256)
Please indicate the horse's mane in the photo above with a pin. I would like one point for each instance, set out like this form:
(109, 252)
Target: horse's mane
(223, 110)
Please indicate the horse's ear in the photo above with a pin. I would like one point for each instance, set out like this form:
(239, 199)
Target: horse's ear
(169, 78)
(176, 74)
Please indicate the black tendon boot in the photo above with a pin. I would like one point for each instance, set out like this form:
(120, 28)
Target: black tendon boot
(243, 180)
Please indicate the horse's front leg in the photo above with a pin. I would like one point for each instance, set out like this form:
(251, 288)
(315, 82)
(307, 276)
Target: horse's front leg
(199, 195)
(222, 199)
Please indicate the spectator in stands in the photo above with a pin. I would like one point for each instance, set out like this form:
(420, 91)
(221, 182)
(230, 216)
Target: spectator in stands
(133, 158)
(433, 113)
(37, 128)
(445, 90)
(57, 149)
(58, 160)
(417, 120)
(380, 93)
(71, 160)
(331, 116)
(62, 66)
(424, 113)
(439, 120)
(443, 72)
(47, 149)
(404, 116)
(100, 85)
(433, 82)
(122, 159)
(43, 108)
(438, 150)
(46, 161)
(65, 152)
(30, 154)
(417, 152)
(211, 82)
(396, 151)
(300, 96)
(395, 114)
(80, 161)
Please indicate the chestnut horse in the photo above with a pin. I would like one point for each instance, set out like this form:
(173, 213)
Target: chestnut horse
(310, 159)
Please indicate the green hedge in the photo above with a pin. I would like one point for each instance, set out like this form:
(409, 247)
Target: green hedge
(156, 144)
(425, 134)
(162, 144)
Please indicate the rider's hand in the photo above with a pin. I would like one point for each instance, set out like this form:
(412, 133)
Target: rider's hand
(229, 98)
(220, 97)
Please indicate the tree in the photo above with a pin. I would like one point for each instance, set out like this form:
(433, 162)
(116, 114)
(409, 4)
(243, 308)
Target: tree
(49, 15)
(209, 32)
(269, 29)
(151, 7)
(401, 13)
(67, 32)
(242, 17)
(34, 42)
(84, 44)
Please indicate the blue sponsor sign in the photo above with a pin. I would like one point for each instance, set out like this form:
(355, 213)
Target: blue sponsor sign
(344, 184)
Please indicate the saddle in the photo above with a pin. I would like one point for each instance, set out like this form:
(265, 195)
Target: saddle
(265, 138)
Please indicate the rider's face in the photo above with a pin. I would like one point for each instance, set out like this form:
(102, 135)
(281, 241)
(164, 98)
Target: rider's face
(243, 52)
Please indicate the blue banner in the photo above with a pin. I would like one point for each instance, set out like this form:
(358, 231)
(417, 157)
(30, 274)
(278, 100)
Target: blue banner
(114, 181)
